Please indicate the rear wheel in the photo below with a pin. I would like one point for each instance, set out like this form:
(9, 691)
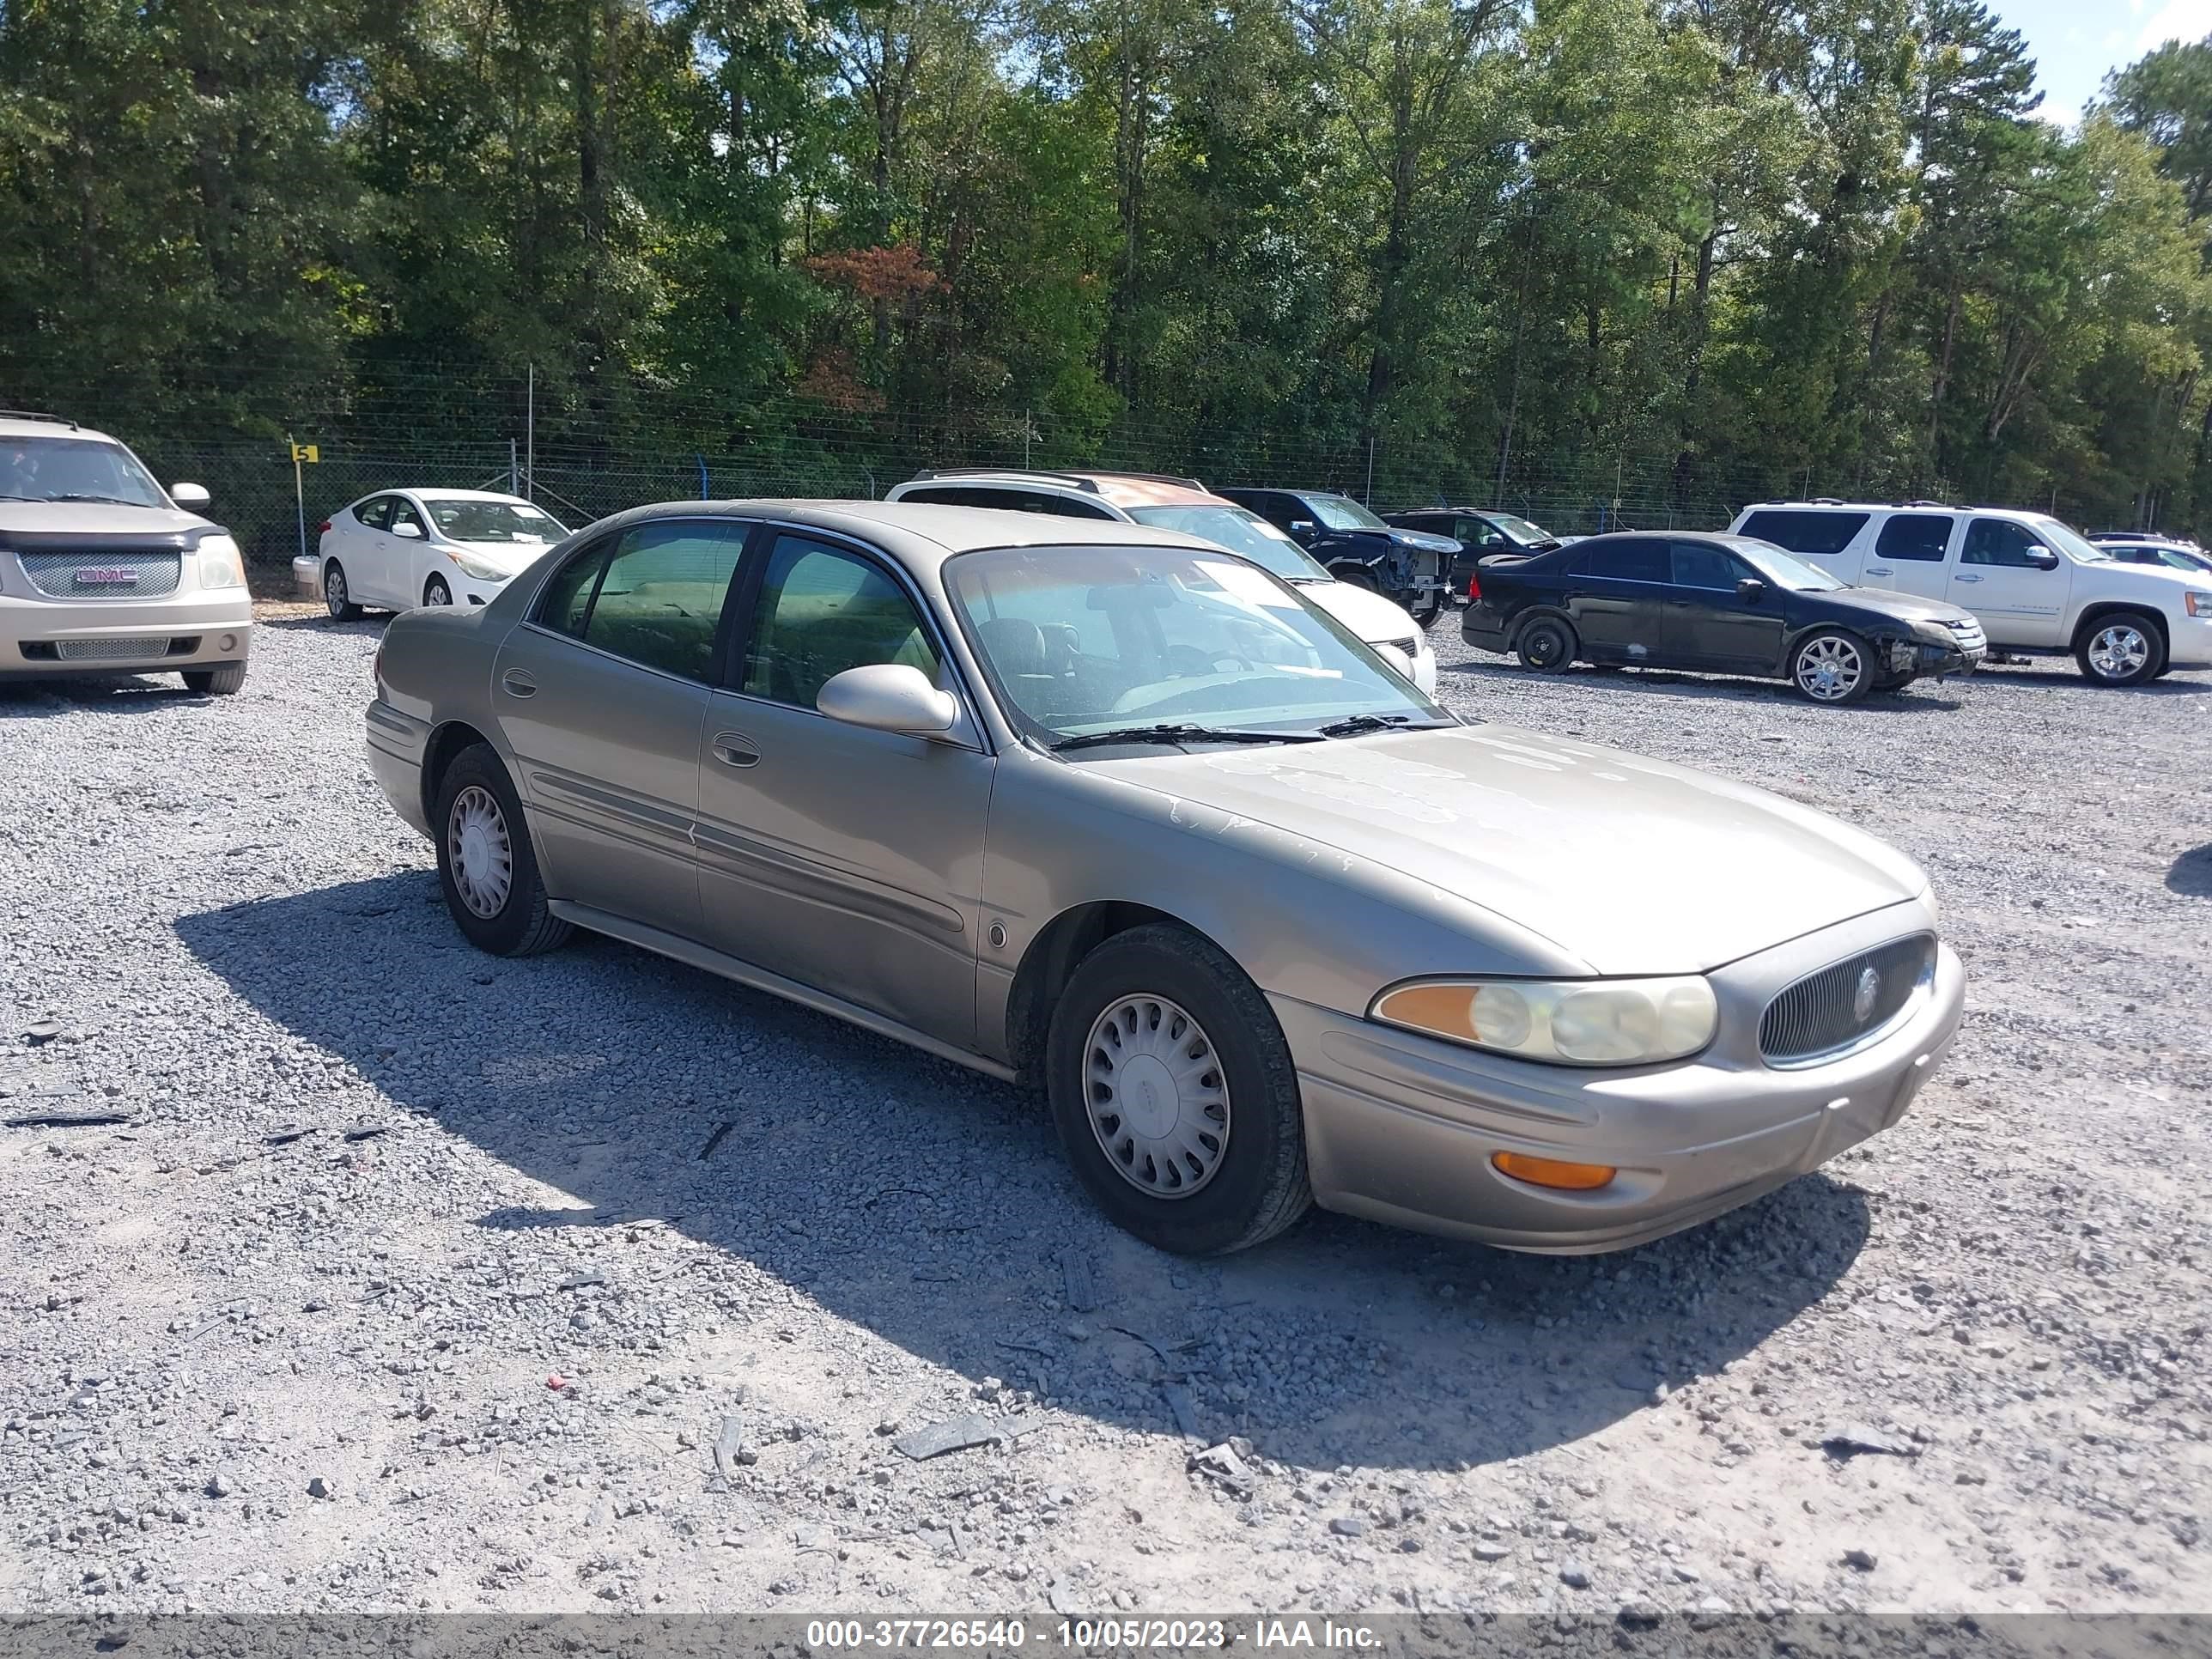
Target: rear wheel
(338, 598)
(486, 867)
(2123, 648)
(226, 679)
(1546, 644)
(1175, 1095)
(434, 592)
(1832, 667)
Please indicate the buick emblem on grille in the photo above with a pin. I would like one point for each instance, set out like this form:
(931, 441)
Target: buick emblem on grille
(106, 575)
(1863, 994)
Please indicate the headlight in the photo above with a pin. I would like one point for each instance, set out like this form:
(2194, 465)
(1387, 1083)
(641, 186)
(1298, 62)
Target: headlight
(1571, 1022)
(221, 565)
(477, 569)
(2200, 604)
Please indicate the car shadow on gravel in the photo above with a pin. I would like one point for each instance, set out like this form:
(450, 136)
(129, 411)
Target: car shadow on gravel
(2191, 874)
(115, 693)
(930, 1206)
(1922, 697)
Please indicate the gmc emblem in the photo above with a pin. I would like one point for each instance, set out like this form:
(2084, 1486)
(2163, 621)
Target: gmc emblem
(106, 575)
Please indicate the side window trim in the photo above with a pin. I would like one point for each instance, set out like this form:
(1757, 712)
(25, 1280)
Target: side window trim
(744, 615)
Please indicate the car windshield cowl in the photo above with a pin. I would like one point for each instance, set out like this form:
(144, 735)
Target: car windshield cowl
(1354, 726)
(1178, 734)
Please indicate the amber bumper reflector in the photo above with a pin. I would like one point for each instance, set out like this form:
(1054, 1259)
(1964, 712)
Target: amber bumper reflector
(1550, 1172)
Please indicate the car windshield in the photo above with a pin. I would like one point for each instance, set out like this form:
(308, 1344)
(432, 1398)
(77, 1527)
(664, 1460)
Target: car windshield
(1787, 570)
(1082, 641)
(2060, 539)
(1241, 530)
(493, 521)
(1342, 513)
(1521, 529)
(75, 469)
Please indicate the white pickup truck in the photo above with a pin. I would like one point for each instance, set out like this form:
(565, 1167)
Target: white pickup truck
(2037, 588)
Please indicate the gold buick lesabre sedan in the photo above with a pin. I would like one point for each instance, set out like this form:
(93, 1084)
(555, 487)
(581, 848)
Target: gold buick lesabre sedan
(1111, 811)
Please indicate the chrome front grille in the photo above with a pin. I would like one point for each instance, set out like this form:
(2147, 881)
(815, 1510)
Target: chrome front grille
(111, 650)
(1843, 1002)
(1969, 634)
(91, 574)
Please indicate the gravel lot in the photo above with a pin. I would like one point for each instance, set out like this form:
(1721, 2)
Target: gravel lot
(419, 1280)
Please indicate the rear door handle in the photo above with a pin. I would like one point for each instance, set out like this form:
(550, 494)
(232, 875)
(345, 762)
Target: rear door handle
(735, 748)
(517, 684)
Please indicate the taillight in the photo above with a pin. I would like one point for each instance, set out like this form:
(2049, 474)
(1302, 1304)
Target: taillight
(1473, 587)
(324, 528)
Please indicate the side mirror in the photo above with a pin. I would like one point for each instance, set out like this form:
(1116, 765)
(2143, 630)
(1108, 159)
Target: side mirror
(190, 496)
(1750, 589)
(1301, 526)
(2042, 558)
(889, 696)
(412, 531)
(1399, 662)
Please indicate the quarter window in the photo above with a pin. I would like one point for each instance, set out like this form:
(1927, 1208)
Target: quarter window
(1922, 537)
(567, 600)
(1998, 541)
(1628, 562)
(823, 610)
(1804, 532)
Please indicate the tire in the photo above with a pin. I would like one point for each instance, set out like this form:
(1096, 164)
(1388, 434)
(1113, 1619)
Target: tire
(434, 592)
(1428, 613)
(224, 680)
(513, 920)
(1546, 644)
(2120, 648)
(1833, 666)
(1239, 1188)
(337, 595)
(1354, 576)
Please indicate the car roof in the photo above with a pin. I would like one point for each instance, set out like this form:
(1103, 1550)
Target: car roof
(456, 495)
(1894, 506)
(13, 425)
(922, 535)
(1121, 490)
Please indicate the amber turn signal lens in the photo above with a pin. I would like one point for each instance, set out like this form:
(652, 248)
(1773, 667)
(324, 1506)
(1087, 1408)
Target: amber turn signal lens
(1550, 1172)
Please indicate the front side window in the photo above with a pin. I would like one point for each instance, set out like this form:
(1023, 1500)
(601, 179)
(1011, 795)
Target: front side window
(1923, 537)
(1628, 562)
(1082, 641)
(654, 594)
(1825, 533)
(821, 610)
(2065, 538)
(404, 517)
(1241, 530)
(2000, 542)
(42, 469)
(1698, 564)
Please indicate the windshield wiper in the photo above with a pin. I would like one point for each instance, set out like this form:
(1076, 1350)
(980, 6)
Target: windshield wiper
(1354, 726)
(111, 500)
(1179, 735)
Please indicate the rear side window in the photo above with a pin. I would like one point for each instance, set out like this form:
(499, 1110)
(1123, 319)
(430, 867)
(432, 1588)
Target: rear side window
(654, 594)
(375, 514)
(1628, 562)
(1804, 532)
(1919, 536)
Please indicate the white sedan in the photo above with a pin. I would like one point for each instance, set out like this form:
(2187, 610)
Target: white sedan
(403, 547)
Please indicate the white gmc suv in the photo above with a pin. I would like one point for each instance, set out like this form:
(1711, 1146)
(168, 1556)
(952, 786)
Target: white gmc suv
(2037, 588)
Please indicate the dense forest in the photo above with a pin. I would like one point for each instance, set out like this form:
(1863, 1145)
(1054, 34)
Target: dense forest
(1669, 253)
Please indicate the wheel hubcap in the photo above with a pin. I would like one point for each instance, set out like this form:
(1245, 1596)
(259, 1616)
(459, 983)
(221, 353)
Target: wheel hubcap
(438, 595)
(334, 588)
(2116, 652)
(482, 856)
(1158, 1101)
(1829, 668)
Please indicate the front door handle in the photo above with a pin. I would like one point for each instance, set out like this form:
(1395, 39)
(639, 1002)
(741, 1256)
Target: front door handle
(517, 684)
(1964, 577)
(1880, 570)
(735, 748)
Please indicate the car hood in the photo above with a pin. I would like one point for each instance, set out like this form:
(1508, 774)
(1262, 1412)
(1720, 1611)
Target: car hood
(2158, 579)
(1423, 540)
(511, 558)
(1632, 865)
(1370, 616)
(1903, 607)
(96, 519)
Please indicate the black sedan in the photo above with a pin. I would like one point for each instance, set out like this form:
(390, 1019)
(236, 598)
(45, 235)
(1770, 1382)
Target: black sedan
(1727, 605)
(1358, 547)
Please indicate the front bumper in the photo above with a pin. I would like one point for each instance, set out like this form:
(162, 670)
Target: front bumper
(42, 639)
(1401, 1128)
(2189, 642)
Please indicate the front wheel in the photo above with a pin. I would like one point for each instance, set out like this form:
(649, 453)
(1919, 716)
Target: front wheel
(1546, 644)
(225, 680)
(338, 598)
(1175, 1095)
(434, 592)
(486, 867)
(1429, 610)
(1832, 667)
(2121, 649)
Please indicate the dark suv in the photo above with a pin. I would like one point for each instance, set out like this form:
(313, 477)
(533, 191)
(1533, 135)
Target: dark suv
(1409, 566)
(1478, 531)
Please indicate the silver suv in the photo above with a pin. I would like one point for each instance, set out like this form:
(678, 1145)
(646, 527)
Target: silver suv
(104, 572)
